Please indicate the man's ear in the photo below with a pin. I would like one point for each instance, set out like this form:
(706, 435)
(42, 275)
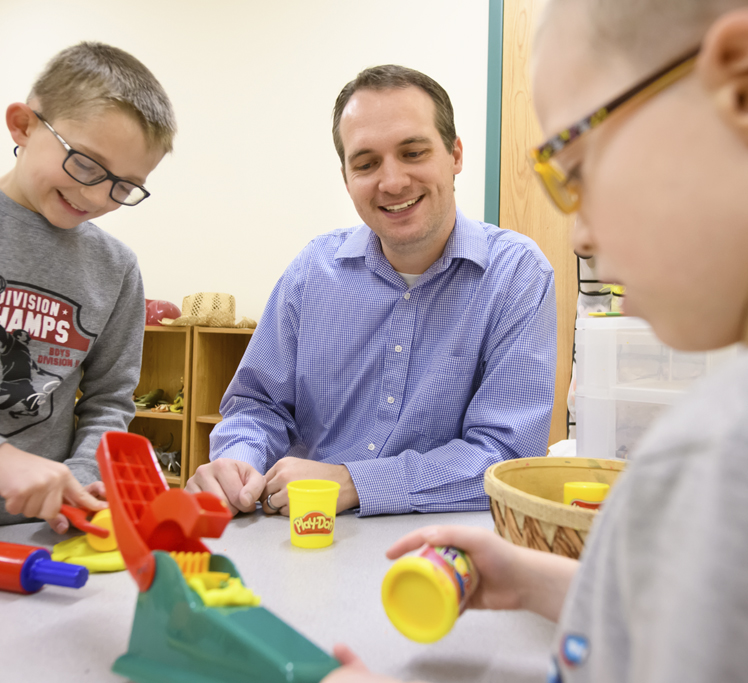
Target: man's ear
(457, 155)
(723, 67)
(20, 120)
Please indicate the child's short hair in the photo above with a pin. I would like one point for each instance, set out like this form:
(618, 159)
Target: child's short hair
(649, 31)
(90, 77)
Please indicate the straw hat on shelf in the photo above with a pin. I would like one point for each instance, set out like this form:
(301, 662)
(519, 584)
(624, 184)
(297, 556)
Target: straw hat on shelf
(209, 309)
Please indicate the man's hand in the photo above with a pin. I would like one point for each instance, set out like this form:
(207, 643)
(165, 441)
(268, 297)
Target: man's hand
(292, 469)
(511, 577)
(236, 483)
(353, 670)
(36, 487)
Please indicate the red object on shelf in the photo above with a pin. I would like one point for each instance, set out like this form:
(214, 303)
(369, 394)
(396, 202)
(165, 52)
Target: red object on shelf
(158, 309)
(146, 514)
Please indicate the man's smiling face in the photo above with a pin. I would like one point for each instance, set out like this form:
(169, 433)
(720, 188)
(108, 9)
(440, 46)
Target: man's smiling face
(398, 172)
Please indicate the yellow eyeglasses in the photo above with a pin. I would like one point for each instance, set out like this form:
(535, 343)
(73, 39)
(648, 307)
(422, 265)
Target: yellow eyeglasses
(562, 187)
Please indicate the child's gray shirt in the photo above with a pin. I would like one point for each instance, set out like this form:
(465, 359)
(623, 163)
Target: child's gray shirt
(662, 591)
(72, 313)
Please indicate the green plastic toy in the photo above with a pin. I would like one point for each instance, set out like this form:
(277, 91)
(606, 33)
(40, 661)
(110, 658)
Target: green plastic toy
(176, 636)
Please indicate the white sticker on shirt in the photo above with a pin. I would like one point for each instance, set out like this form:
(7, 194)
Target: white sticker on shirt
(575, 649)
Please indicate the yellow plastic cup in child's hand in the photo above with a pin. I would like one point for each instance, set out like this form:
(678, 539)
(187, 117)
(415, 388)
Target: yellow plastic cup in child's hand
(585, 494)
(312, 504)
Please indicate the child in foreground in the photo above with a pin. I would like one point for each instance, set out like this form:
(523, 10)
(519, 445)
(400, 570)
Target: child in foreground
(95, 125)
(657, 176)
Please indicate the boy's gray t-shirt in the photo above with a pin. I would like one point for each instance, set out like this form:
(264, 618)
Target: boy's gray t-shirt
(72, 311)
(662, 591)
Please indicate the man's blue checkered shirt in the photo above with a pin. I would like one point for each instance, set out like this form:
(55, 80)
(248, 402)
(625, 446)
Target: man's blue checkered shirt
(417, 391)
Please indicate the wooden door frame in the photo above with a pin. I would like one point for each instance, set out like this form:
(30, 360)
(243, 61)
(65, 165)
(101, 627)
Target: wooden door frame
(522, 205)
(492, 199)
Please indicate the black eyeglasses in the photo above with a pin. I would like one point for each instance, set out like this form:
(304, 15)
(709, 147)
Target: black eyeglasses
(87, 171)
(560, 184)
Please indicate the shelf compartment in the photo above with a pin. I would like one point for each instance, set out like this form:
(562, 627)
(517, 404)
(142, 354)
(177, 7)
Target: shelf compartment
(217, 353)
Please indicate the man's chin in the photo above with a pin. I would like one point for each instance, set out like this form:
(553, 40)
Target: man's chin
(409, 242)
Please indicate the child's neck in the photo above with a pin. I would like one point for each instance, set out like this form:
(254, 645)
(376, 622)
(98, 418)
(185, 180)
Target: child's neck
(10, 187)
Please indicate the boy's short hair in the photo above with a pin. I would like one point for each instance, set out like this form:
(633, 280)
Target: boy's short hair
(388, 77)
(91, 77)
(650, 31)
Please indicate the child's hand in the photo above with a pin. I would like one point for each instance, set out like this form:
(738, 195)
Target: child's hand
(511, 577)
(37, 487)
(495, 560)
(93, 499)
(353, 669)
(98, 491)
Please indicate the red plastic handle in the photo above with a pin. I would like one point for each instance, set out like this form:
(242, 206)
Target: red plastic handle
(79, 519)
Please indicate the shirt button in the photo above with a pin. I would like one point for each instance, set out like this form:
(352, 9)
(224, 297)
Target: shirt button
(390, 399)
(371, 446)
(398, 348)
(406, 295)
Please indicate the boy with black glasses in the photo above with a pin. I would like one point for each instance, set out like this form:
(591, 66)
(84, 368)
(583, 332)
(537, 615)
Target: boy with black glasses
(95, 125)
(657, 176)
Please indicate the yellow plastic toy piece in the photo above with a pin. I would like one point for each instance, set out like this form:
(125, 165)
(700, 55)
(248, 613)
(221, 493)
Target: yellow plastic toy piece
(103, 519)
(191, 563)
(178, 405)
(218, 589)
(78, 551)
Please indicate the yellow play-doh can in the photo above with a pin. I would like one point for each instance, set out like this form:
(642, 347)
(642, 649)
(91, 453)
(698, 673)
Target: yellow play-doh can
(312, 505)
(424, 595)
(585, 494)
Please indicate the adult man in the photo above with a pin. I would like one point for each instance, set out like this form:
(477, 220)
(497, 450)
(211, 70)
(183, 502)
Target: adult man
(401, 357)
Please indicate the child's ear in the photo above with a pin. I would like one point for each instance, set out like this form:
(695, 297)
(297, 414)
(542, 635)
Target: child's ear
(723, 66)
(21, 120)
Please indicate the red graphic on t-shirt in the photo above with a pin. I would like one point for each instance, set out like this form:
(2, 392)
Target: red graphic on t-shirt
(44, 317)
(41, 344)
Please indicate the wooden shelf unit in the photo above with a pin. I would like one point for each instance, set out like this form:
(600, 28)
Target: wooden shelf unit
(217, 352)
(167, 365)
(205, 359)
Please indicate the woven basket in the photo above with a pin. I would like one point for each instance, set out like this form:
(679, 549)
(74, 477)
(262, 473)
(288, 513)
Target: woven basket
(527, 501)
(209, 309)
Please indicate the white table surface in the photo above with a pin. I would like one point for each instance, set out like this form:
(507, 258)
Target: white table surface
(330, 595)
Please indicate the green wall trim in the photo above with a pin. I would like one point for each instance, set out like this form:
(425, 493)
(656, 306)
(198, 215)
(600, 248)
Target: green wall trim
(493, 111)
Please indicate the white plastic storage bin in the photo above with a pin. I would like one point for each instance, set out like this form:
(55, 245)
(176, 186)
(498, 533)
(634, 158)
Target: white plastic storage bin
(625, 377)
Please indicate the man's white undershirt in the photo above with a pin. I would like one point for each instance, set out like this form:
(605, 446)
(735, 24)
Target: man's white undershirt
(410, 280)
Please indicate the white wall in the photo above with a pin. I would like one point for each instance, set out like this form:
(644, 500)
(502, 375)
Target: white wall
(254, 175)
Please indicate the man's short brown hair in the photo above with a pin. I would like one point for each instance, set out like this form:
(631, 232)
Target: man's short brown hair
(91, 77)
(390, 76)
